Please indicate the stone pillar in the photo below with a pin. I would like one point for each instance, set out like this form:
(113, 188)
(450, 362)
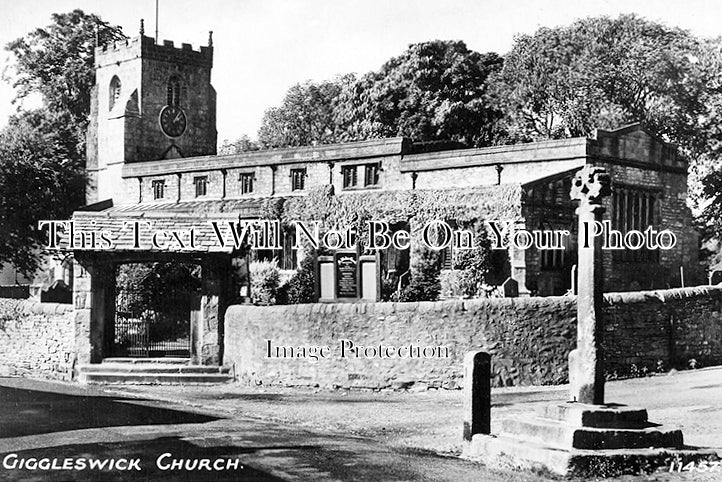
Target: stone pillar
(82, 304)
(207, 322)
(477, 394)
(93, 300)
(586, 362)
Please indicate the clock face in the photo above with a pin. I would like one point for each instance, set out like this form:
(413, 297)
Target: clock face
(172, 121)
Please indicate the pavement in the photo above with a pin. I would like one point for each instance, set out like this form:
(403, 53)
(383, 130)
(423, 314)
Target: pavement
(276, 433)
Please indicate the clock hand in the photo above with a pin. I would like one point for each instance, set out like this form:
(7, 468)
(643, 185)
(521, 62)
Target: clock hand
(178, 117)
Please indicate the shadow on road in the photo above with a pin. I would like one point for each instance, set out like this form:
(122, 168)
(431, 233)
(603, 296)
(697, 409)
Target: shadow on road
(32, 412)
(148, 452)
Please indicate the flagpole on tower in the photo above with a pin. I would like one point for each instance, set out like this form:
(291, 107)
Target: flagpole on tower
(156, 21)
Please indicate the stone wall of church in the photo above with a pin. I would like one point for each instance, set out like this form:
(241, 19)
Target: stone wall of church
(529, 338)
(548, 206)
(271, 172)
(487, 175)
(672, 213)
(37, 339)
(263, 182)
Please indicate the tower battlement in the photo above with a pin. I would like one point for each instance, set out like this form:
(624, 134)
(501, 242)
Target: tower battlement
(147, 48)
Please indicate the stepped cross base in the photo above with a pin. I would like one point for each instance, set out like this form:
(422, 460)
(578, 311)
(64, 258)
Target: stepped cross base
(584, 440)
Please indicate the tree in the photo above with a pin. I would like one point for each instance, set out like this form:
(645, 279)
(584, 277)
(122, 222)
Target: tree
(242, 144)
(602, 72)
(606, 72)
(433, 91)
(306, 116)
(42, 152)
(57, 62)
(301, 288)
(425, 271)
(38, 180)
(706, 172)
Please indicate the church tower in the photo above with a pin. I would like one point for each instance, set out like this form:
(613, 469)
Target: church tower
(150, 102)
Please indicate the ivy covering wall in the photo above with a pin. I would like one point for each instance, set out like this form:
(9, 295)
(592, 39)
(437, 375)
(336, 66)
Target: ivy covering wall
(467, 208)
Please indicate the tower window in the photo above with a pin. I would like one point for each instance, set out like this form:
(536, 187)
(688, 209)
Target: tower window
(372, 174)
(246, 180)
(114, 92)
(201, 183)
(349, 176)
(298, 179)
(174, 91)
(158, 189)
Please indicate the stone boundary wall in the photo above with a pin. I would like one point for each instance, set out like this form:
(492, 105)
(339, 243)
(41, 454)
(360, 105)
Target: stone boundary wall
(673, 326)
(15, 292)
(36, 339)
(529, 338)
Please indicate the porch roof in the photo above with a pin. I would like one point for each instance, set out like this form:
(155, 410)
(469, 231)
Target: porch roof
(133, 227)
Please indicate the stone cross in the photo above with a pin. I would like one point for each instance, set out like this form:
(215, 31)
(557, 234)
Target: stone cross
(586, 362)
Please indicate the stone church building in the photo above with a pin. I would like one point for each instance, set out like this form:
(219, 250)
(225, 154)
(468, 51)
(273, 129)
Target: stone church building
(152, 159)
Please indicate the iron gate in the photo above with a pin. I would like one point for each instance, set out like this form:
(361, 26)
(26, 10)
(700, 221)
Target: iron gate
(148, 327)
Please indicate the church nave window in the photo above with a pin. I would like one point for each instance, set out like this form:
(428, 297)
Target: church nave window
(158, 189)
(201, 183)
(246, 180)
(372, 174)
(298, 179)
(349, 176)
(634, 209)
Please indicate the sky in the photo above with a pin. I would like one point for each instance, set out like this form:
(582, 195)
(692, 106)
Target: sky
(262, 47)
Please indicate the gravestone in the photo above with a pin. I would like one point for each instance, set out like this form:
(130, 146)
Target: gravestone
(510, 288)
(58, 292)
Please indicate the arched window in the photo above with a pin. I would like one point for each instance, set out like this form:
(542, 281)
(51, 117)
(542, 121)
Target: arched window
(114, 91)
(174, 91)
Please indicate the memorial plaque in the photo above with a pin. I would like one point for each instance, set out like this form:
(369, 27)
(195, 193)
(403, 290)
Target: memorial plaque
(346, 275)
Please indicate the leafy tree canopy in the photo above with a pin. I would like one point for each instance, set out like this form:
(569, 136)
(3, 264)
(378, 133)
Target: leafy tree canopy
(433, 91)
(706, 173)
(38, 180)
(242, 144)
(602, 72)
(306, 116)
(42, 152)
(607, 72)
(57, 62)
